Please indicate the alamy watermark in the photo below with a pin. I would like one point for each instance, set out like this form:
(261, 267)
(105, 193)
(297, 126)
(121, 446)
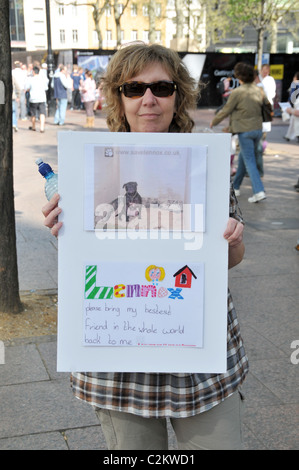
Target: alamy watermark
(2, 353)
(176, 222)
(2, 93)
(295, 354)
(294, 94)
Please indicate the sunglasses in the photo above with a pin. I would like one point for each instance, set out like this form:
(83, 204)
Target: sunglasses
(161, 89)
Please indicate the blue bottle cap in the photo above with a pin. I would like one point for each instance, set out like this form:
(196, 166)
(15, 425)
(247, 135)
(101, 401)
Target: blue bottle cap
(43, 168)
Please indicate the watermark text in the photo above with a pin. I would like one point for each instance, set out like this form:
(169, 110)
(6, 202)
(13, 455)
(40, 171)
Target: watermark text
(2, 353)
(295, 354)
(178, 222)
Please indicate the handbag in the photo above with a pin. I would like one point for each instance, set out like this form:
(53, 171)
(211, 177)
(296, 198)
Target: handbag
(267, 110)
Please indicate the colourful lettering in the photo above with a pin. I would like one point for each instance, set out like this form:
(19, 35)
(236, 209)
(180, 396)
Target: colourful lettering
(117, 290)
(91, 290)
(146, 289)
(133, 289)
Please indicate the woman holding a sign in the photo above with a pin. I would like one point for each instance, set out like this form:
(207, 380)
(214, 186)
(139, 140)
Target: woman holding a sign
(147, 88)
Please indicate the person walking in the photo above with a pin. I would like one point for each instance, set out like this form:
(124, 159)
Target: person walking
(61, 84)
(266, 128)
(293, 129)
(88, 89)
(268, 83)
(244, 106)
(16, 92)
(20, 75)
(148, 89)
(99, 96)
(225, 89)
(294, 88)
(37, 86)
(76, 97)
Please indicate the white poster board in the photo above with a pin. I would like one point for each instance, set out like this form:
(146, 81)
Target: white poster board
(135, 295)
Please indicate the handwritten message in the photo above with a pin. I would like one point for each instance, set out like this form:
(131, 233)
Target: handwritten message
(151, 306)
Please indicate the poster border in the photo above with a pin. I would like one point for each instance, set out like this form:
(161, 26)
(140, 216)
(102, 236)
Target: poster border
(208, 247)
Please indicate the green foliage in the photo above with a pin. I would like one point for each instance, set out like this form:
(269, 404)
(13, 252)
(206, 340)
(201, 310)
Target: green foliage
(243, 10)
(259, 13)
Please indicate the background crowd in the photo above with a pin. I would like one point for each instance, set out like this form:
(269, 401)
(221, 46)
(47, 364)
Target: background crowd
(77, 90)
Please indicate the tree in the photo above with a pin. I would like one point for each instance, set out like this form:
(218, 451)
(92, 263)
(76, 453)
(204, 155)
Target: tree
(99, 7)
(179, 19)
(152, 22)
(217, 21)
(288, 17)
(97, 13)
(119, 9)
(261, 14)
(200, 23)
(9, 283)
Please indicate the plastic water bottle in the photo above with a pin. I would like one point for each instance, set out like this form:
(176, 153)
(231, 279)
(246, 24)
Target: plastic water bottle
(51, 185)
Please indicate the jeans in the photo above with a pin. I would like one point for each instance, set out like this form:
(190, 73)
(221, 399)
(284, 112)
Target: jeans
(14, 114)
(76, 99)
(260, 159)
(23, 105)
(60, 111)
(249, 142)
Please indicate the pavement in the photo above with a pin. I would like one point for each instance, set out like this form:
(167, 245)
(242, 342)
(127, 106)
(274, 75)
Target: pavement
(37, 408)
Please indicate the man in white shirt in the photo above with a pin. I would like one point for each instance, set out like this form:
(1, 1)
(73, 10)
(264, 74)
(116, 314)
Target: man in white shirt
(37, 86)
(269, 87)
(268, 82)
(19, 76)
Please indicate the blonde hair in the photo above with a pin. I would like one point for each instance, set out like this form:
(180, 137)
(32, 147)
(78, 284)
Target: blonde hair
(131, 61)
(152, 266)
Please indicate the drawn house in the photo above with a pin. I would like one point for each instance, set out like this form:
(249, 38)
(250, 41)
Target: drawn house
(183, 277)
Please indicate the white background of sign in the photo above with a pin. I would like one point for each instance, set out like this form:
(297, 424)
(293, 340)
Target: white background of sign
(77, 245)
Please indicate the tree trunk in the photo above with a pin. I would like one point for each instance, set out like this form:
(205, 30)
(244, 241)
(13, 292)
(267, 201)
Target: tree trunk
(179, 10)
(118, 31)
(274, 29)
(117, 16)
(152, 22)
(260, 44)
(9, 283)
(96, 18)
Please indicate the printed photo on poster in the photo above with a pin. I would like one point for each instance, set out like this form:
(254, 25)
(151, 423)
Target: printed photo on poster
(144, 188)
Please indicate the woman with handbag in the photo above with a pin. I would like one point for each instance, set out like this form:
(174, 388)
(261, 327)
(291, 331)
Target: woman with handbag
(244, 107)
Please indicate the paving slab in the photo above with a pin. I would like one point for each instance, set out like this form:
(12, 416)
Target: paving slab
(39, 407)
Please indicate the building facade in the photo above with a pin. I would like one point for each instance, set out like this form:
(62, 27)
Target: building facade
(73, 26)
(69, 25)
(180, 24)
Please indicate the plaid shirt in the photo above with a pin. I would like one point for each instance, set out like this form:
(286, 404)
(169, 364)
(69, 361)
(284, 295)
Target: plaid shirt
(155, 395)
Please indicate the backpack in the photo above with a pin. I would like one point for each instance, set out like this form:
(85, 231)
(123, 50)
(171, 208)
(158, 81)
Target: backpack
(220, 87)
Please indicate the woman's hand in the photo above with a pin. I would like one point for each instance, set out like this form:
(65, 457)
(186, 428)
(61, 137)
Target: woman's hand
(234, 232)
(234, 235)
(51, 212)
